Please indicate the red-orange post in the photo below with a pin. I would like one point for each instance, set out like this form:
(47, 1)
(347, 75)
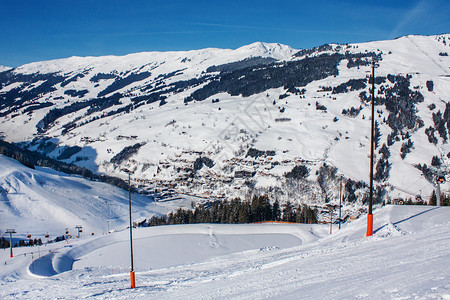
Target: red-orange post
(372, 129)
(133, 281)
(132, 277)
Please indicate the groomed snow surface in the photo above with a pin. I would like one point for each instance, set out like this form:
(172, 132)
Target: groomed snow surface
(408, 257)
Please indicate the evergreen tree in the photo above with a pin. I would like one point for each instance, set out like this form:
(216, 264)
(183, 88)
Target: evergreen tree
(260, 208)
(276, 212)
(310, 214)
(288, 213)
(4, 243)
(445, 201)
(377, 134)
(299, 216)
(245, 215)
(233, 216)
(433, 198)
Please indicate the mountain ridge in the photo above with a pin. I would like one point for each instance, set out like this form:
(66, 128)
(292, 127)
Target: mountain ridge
(4, 68)
(311, 107)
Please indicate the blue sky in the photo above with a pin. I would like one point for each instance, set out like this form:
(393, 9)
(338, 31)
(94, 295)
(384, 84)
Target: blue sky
(33, 30)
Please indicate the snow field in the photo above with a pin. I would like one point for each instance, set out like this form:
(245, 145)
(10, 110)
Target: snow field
(43, 201)
(407, 258)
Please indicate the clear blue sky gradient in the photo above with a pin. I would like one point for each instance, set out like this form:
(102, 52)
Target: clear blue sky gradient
(35, 30)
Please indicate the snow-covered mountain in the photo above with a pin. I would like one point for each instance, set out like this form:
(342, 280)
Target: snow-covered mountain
(4, 68)
(263, 118)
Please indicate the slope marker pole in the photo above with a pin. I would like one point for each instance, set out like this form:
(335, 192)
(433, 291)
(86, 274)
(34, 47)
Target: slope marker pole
(372, 129)
(132, 276)
(340, 201)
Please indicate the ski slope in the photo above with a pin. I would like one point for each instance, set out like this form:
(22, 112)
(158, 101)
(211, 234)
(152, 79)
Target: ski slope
(407, 258)
(40, 201)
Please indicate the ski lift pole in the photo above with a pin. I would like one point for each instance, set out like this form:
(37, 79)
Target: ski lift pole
(438, 195)
(10, 231)
(440, 179)
(80, 229)
(330, 208)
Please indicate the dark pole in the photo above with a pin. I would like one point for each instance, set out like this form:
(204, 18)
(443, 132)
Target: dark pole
(331, 221)
(340, 202)
(372, 127)
(438, 190)
(10, 244)
(132, 277)
(79, 227)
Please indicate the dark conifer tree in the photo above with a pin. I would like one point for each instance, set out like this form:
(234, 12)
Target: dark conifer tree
(245, 215)
(433, 198)
(377, 134)
(4, 243)
(288, 213)
(276, 212)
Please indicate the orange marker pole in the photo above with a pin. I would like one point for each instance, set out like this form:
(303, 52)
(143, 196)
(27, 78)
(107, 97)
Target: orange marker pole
(372, 144)
(369, 225)
(132, 279)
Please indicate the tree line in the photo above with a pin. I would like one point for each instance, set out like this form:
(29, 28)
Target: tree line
(236, 211)
(445, 199)
(4, 243)
(34, 158)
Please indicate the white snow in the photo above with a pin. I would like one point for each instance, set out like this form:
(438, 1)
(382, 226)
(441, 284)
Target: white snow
(407, 257)
(43, 201)
(4, 68)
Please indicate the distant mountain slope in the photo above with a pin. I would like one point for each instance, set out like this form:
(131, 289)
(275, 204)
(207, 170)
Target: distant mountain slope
(44, 201)
(4, 68)
(267, 118)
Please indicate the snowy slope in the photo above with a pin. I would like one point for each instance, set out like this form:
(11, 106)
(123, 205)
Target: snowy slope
(406, 258)
(4, 68)
(154, 110)
(43, 201)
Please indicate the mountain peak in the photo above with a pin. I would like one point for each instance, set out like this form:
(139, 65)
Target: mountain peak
(4, 68)
(274, 50)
